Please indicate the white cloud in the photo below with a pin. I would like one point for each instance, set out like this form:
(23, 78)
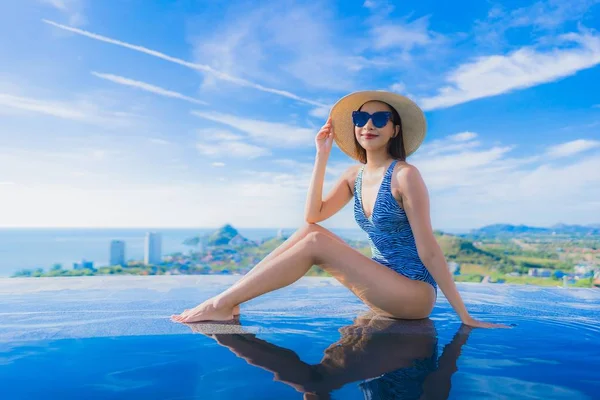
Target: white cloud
(398, 87)
(53, 108)
(215, 143)
(147, 87)
(571, 148)
(369, 4)
(320, 112)
(72, 8)
(220, 135)
(405, 36)
(81, 109)
(468, 188)
(486, 185)
(463, 136)
(449, 144)
(526, 67)
(239, 202)
(543, 16)
(232, 149)
(271, 134)
(198, 67)
(218, 164)
(264, 43)
(159, 141)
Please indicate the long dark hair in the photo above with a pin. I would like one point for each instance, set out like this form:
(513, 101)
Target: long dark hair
(395, 145)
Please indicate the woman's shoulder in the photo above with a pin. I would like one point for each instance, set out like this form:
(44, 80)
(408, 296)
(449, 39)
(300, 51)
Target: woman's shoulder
(405, 172)
(351, 174)
(403, 167)
(352, 171)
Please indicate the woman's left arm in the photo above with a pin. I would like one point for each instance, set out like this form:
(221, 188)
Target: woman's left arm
(415, 200)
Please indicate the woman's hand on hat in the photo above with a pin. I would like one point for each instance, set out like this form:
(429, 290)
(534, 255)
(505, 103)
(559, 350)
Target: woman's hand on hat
(324, 139)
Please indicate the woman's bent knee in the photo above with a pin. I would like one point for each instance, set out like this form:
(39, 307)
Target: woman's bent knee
(307, 227)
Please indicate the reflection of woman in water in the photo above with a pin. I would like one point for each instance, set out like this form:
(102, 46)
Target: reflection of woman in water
(392, 359)
(379, 130)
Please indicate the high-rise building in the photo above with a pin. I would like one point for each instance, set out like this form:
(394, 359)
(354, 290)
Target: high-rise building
(152, 250)
(117, 252)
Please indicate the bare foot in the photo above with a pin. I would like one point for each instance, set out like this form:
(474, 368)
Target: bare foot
(204, 312)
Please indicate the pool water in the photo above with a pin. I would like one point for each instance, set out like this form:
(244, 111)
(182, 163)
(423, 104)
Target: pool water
(111, 338)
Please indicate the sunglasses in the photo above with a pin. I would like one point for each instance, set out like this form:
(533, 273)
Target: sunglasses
(379, 118)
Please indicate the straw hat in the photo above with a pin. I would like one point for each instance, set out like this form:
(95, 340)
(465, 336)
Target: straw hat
(412, 117)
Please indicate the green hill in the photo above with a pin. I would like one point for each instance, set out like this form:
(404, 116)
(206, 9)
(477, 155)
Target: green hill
(463, 251)
(222, 236)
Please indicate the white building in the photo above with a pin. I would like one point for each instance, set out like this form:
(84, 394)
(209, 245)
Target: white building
(117, 252)
(540, 272)
(152, 249)
(454, 267)
(582, 269)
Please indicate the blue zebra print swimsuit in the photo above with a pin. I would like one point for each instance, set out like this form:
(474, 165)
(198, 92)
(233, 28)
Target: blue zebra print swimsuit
(390, 235)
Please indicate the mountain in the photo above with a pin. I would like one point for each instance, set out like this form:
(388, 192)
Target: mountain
(515, 230)
(226, 235)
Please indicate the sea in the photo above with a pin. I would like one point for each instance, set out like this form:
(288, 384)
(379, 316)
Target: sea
(30, 248)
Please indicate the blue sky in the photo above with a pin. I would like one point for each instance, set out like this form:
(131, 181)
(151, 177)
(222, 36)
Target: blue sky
(186, 113)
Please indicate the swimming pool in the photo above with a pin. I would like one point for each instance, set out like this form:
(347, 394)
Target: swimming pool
(111, 337)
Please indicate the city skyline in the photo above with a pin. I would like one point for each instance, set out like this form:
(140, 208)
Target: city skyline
(184, 123)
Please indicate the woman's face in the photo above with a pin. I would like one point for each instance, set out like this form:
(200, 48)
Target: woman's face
(369, 136)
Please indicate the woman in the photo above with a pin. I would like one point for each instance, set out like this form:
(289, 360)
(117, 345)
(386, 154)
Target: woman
(391, 359)
(379, 129)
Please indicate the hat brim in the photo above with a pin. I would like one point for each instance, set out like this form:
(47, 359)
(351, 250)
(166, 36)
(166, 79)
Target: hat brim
(414, 125)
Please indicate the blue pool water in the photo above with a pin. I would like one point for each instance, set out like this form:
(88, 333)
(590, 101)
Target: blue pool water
(111, 338)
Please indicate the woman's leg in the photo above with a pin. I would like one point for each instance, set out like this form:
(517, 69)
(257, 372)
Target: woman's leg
(382, 289)
(291, 241)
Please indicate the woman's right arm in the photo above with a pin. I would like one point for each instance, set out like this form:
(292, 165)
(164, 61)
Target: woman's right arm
(317, 209)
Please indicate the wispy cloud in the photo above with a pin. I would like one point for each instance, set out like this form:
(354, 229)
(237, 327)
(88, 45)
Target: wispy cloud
(484, 185)
(198, 67)
(526, 67)
(81, 110)
(218, 164)
(215, 143)
(543, 16)
(453, 143)
(320, 112)
(571, 148)
(272, 134)
(147, 87)
(403, 35)
(159, 141)
(53, 108)
(264, 43)
(72, 8)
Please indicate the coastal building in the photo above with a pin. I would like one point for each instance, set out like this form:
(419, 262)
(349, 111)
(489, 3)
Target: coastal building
(84, 264)
(117, 252)
(539, 272)
(582, 269)
(454, 268)
(153, 249)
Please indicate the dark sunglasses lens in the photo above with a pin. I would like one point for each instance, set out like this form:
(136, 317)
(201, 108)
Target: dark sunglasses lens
(380, 119)
(360, 118)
